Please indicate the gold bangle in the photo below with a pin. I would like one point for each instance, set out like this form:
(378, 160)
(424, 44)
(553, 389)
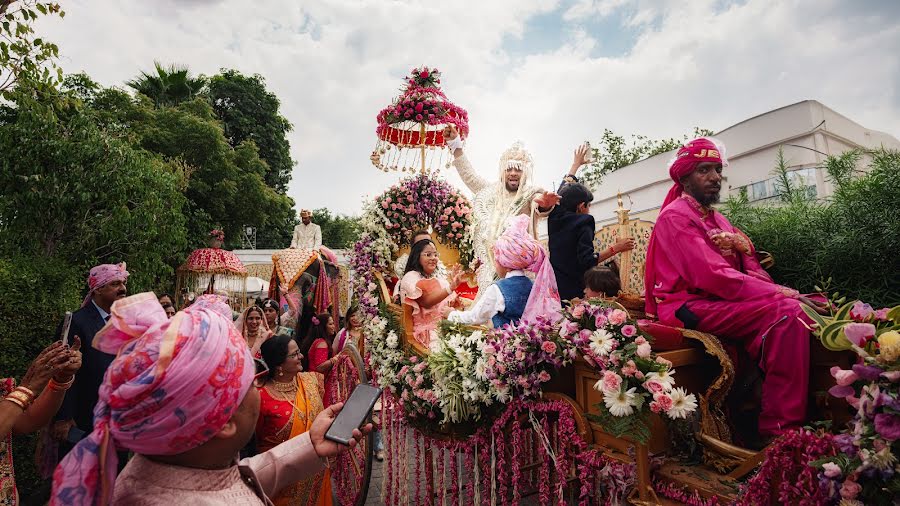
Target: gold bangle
(22, 395)
(19, 398)
(15, 401)
(26, 390)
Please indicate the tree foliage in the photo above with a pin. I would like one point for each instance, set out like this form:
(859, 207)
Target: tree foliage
(613, 152)
(22, 53)
(168, 86)
(338, 231)
(250, 112)
(851, 239)
(69, 190)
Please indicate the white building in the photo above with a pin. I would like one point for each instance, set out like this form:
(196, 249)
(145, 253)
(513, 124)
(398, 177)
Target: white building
(808, 131)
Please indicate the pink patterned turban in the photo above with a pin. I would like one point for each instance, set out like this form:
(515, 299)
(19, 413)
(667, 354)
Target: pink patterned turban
(174, 384)
(103, 275)
(517, 249)
(693, 153)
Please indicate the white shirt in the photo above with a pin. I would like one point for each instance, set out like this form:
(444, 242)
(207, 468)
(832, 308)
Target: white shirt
(491, 303)
(307, 236)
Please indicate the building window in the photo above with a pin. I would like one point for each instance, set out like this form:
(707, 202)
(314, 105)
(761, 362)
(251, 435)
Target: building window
(802, 178)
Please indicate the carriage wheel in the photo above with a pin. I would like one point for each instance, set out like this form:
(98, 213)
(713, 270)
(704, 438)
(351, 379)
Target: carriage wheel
(352, 470)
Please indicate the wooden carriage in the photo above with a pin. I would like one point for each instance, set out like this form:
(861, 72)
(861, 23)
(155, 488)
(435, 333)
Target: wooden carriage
(705, 368)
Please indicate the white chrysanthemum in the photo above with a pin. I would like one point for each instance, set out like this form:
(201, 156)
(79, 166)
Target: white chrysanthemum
(601, 342)
(620, 403)
(502, 394)
(683, 403)
(481, 369)
(392, 340)
(664, 377)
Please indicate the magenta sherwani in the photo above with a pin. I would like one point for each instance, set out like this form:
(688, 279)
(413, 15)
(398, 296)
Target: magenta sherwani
(733, 298)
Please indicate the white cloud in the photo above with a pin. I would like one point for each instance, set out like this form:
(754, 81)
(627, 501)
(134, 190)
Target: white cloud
(335, 64)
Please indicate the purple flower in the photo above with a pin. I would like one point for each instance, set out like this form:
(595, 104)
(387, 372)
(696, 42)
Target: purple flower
(867, 372)
(859, 333)
(888, 426)
(841, 392)
(845, 444)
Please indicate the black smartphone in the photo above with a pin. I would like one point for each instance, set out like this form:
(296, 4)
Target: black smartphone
(355, 412)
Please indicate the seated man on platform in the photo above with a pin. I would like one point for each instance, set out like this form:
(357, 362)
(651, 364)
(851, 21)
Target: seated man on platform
(702, 274)
(515, 296)
(307, 235)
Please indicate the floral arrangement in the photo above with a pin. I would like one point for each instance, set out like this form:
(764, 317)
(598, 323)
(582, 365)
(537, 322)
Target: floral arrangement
(520, 358)
(866, 469)
(422, 101)
(217, 234)
(422, 201)
(457, 364)
(634, 381)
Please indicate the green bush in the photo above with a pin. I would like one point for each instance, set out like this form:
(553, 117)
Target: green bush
(34, 294)
(851, 239)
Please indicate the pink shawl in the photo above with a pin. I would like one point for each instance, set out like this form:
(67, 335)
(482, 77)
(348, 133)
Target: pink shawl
(517, 249)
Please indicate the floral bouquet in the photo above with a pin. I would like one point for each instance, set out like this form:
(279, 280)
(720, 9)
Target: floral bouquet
(866, 470)
(217, 234)
(520, 358)
(855, 324)
(422, 101)
(456, 361)
(423, 77)
(634, 381)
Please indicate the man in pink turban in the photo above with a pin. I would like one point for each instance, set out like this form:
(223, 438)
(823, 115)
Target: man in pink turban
(515, 296)
(106, 284)
(702, 273)
(179, 396)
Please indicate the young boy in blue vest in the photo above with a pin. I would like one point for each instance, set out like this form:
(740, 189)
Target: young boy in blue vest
(514, 296)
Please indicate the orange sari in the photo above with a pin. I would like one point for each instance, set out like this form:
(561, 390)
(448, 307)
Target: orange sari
(279, 421)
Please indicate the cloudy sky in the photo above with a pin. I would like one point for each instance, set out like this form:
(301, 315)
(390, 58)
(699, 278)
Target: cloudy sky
(551, 73)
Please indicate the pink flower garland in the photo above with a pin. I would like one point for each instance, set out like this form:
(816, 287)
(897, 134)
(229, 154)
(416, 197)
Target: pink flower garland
(682, 494)
(787, 465)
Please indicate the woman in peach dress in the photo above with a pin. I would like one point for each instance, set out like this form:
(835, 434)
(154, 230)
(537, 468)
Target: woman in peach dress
(425, 292)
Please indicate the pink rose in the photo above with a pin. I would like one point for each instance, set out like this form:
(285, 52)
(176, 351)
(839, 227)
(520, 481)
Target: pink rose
(844, 377)
(520, 355)
(578, 311)
(629, 369)
(544, 376)
(414, 359)
(831, 470)
(611, 381)
(639, 340)
(384, 204)
(618, 317)
(585, 334)
(664, 361)
(600, 320)
(639, 375)
(424, 74)
(859, 333)
(654, 386)
(850, 489)
(548, 347)
(419, 107)
(643, 350)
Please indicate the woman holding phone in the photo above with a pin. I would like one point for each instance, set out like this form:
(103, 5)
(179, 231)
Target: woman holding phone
(290, 399)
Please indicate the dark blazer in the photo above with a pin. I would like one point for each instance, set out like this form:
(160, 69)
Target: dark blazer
(80, 400)
(571, 245)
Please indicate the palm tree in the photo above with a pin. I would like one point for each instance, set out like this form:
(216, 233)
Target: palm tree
(169, 86)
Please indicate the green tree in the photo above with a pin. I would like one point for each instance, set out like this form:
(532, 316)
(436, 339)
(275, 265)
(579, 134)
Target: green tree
(71, 191)
(613, 152)
(168, 86)
(22, 53)
(852, 238)
(249, 112)
(338, 231)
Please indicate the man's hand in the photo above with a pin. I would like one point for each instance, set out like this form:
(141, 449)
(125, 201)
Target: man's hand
(325, 448)
(579, 159)
(547, 200)
(446, 310)
(60, 429)
(450, 132)
(623, 244)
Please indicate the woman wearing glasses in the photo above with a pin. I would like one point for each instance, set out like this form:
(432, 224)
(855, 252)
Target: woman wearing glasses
(289, 401)
(425, 291)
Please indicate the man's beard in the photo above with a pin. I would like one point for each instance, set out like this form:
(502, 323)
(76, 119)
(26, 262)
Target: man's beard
(707, 199)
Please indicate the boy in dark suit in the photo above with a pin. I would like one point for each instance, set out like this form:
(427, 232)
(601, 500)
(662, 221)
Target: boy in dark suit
(571, 239)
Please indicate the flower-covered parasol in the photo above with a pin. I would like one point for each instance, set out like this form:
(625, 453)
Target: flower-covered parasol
(211, 270)
(410, 130)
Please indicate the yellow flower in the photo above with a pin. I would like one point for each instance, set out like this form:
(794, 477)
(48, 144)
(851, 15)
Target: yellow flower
(889, 346)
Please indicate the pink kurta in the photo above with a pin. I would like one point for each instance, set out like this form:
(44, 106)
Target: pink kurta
(144, 482)
(733, 298)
